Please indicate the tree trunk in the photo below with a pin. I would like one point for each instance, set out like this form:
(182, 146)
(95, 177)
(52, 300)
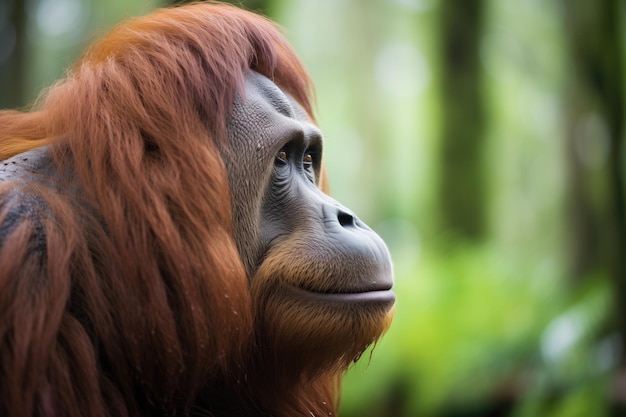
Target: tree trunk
(595, 111)
(462, 191)
(12, 69)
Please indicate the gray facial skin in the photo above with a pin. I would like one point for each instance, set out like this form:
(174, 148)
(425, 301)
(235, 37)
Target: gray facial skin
(274, 166)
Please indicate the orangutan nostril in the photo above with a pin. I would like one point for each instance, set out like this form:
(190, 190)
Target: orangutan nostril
(346, 219)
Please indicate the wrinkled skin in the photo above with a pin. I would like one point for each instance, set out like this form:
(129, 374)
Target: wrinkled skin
(307, 255)
(274, 167)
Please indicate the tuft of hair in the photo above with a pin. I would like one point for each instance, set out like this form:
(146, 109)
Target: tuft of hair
(128, 297)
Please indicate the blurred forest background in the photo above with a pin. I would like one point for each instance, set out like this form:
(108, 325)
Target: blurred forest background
(484, 140)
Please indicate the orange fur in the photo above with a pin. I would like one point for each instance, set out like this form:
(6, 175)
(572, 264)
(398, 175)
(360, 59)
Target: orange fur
(142, 307)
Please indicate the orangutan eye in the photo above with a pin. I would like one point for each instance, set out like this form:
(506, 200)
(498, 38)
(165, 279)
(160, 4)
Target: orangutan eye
(281, 157)
(307, 161)
(307, 165)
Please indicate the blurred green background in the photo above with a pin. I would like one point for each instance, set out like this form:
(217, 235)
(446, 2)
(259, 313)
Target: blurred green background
(483, 139)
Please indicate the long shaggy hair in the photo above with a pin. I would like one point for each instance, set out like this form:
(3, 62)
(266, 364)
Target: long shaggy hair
(142, 306)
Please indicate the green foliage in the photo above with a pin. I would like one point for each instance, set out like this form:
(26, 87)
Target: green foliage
(473, 329)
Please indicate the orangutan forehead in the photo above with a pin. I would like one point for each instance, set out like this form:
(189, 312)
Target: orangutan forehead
(262, 88)
(271, 93)
(264, 118)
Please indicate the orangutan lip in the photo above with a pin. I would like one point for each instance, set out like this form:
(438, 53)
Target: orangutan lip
(376, 296)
